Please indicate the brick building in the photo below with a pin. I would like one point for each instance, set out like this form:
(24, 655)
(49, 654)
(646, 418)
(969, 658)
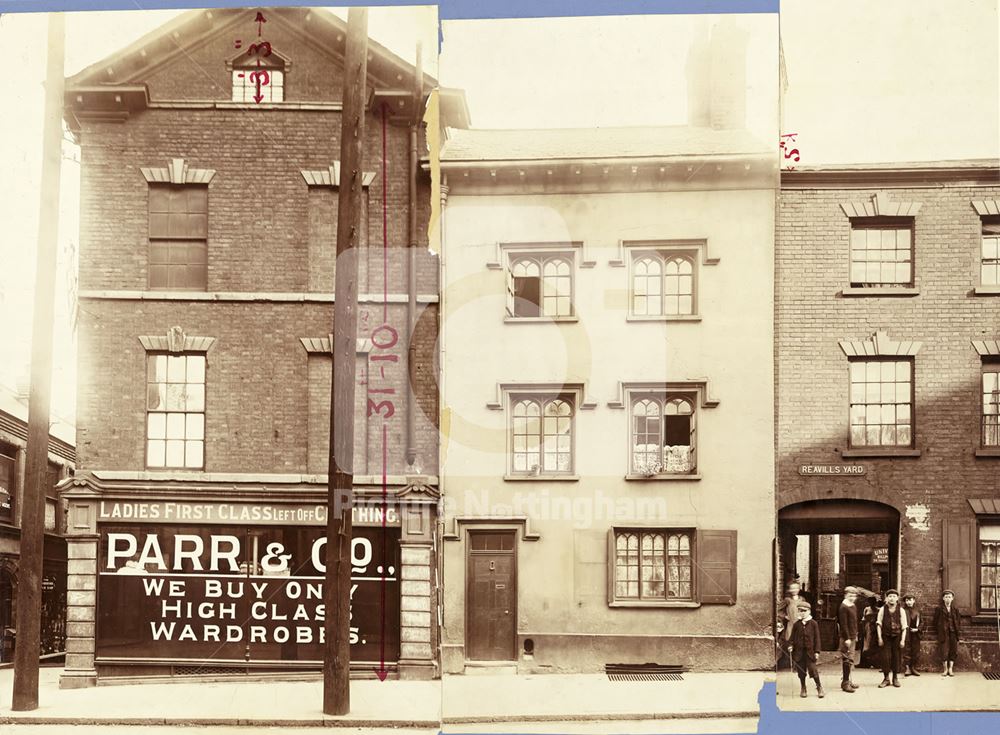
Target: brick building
(606, 470)
(13, 465)
(887, 364)
(208, 221)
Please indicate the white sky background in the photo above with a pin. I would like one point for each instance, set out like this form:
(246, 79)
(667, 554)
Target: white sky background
(902, 80)
(595, 72)
(90, 37)
(893, 80)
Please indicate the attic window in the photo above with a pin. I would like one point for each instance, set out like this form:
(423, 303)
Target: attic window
(258, 75)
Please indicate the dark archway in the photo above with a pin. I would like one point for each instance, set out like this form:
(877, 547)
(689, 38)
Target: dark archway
(846, 519)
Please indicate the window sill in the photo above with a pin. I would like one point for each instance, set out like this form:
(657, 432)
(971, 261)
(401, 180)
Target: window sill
(687, 604)
(875, 453)
(541, 478)
(684, 318)
(669, 478)
(988, 452)
(989, 618)
(539, 319)
(986, 291)
(879, 291)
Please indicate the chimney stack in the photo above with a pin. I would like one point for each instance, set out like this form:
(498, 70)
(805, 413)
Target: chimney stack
(717, 77)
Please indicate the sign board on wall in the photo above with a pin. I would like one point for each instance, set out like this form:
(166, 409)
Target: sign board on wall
(832, 470)
(881, 555)
(239, 593)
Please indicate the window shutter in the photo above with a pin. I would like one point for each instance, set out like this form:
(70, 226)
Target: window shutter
(510, 291)
(959, 555)
(716, 560)
(693, 453)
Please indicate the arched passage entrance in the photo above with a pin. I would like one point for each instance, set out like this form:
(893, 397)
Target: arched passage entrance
(829, 544)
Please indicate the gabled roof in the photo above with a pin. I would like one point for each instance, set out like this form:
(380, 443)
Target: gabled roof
(129, 66)
(169, 40)
(570, 144)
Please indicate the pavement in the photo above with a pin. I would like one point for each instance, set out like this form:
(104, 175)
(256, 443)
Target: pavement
(967, 691)
(592, 697)
(542, 703)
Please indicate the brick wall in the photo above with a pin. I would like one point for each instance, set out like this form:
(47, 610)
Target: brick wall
(268, 231)
(260, 401)
(812, 371)
(259, 214)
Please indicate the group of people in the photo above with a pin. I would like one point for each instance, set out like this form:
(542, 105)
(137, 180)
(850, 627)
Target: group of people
(896, 626)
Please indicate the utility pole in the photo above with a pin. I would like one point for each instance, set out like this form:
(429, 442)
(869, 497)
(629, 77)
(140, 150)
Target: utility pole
(29, 586)
(340, 496)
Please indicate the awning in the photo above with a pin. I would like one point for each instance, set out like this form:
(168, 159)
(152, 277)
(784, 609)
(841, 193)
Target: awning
(985, 506)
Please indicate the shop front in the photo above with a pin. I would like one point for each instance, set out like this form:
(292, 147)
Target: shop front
(188, 588)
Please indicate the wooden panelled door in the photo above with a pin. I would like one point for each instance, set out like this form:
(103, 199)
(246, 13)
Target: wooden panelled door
(491, 596)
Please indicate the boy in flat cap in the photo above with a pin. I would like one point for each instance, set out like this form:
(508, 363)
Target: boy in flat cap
(948, 622)
(804, 646)
(911, 654)
(847, 623)
(891, 625)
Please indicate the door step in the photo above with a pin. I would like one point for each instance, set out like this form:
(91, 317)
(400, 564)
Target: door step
(490, 668)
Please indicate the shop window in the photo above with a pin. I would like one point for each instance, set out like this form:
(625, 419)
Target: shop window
(540, 286)
(51, 496)
(881, 403)
(541, 431)
(882, 252)
(175, 411)
(8, 482)
(663, 434)
(671, 566)
(989, 567)
(178, 237)
(663, 284)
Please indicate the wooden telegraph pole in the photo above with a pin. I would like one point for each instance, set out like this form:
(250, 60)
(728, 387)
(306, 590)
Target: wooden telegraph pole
(337, 590)
(29, 583)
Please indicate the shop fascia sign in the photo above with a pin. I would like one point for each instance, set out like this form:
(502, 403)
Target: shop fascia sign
(264, 514)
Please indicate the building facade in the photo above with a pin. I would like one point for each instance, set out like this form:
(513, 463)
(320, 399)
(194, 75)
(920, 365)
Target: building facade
(13, 465)
(887, 313)
(607, 445)
(209, 182)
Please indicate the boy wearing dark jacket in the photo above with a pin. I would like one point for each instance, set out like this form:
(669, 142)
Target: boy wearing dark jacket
(911, 654)
(892, 626)
(847, 624)
(804, 647)
(948, 622)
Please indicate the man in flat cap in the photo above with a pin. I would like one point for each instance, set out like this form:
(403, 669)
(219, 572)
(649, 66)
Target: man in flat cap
(847, 624)
(891, 625)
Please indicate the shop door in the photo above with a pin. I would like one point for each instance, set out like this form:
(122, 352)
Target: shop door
(491, 596)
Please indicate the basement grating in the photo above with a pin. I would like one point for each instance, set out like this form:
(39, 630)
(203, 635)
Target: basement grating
(992, 675)
(208, 671)
(644, 672)
(645, 677)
